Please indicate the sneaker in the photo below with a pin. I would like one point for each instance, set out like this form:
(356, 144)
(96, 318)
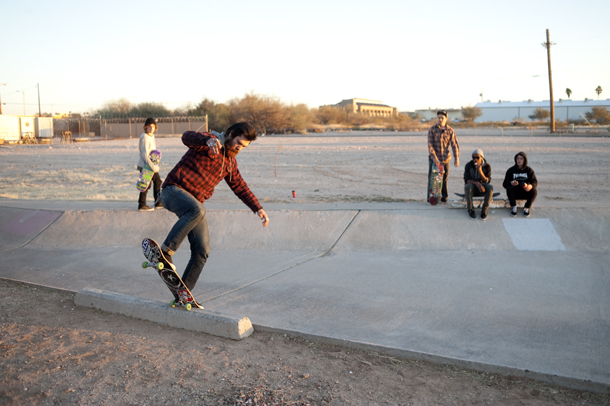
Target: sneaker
(168, 259)
(472, 214)
(145, 208)
(159, 205)
(513, 212)
(484, 215)
(526, 212)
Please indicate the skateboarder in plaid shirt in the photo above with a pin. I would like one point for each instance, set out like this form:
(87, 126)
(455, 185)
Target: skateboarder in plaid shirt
(191, 182)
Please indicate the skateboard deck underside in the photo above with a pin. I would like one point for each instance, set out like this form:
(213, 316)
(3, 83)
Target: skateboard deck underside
(145, 177)
(435, 186)
(174, 283)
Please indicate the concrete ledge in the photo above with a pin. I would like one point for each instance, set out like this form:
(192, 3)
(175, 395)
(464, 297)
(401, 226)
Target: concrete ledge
(213, 323)
(477, 202)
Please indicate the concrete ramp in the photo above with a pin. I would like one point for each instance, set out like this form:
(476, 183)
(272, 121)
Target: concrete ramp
(20, 226)
(513, 295)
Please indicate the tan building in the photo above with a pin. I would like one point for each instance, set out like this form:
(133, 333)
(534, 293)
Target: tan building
(373, 108)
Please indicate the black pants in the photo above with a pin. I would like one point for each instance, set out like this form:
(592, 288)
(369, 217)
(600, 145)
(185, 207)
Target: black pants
(156, 184)
(444, 192)
(515, 193)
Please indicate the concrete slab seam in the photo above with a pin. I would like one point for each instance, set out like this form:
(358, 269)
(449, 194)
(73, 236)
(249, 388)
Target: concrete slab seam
(218, 324)
(342, 233)
(327, 252)
(563, 381)
(261, 279)
(43, 230)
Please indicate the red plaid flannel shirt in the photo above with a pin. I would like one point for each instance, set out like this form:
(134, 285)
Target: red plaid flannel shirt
(198, 171)
(439, 140)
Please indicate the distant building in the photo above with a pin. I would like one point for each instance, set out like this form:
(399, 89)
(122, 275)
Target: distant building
(373, 108)
(520, 111)
(430, 114)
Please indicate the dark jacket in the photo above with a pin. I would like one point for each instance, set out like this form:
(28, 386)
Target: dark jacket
(525, 175)
(471, 172)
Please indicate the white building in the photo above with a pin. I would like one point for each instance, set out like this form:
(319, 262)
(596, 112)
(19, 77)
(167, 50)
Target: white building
(520, 111)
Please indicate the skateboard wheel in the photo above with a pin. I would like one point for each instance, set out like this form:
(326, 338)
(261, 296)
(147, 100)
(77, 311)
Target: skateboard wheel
(160, 266)
(188, 306)
(144, 264)
(172, 303)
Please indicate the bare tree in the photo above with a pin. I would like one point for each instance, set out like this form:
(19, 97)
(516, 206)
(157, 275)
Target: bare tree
(540, 114)
(599, 114)
(264, 112)
(471, 113)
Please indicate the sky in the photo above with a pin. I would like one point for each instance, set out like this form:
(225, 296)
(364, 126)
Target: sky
(407, 54)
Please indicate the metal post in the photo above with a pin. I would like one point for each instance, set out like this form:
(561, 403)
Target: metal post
(39, 112)
(1, 84)
(548, 52)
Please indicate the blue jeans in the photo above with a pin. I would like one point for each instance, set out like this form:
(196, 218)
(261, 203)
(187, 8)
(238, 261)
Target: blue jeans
(192, 223)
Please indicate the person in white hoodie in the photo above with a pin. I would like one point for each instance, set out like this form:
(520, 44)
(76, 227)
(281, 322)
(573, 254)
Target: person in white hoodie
(147, 144)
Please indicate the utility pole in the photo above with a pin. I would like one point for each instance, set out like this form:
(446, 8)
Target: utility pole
(1, 84)
(547, 45)
(38, 86)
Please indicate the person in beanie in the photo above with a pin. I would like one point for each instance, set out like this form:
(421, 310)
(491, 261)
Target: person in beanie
(147, 144)
(520, 183)
(209, 159)
(477, 175)
(440, 137)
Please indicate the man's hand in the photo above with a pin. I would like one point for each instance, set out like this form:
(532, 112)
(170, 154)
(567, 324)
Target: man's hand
(514, 183)
(527, 187)
(480, 187)
(440, 166)
(214, 145)
(261, 213)
(457, 162)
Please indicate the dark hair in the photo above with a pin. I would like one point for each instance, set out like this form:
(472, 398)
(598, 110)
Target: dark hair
(150, 121)
(244, 128)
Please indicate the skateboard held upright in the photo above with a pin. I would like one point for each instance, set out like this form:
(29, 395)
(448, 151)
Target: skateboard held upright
(147, 173)
(182, 295)
(435, 186)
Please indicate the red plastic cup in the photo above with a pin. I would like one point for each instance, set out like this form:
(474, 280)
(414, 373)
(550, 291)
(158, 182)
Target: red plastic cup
(294, 193)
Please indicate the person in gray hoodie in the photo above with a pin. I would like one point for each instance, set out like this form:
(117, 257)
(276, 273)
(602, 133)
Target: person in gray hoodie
(521, 184)
(477, 175)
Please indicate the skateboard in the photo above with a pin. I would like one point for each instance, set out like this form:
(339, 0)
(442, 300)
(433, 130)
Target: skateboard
(496, 194)
(435, 186)
(146, 174)
(183, 296)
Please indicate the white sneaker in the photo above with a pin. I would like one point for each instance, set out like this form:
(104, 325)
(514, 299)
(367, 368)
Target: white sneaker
(513, 212)
(526, 212)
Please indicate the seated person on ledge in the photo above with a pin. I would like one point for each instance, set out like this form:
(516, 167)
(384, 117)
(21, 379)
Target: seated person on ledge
(477, 175)
(520, 183)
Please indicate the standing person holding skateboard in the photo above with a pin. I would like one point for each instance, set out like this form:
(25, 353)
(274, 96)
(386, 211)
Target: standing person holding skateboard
(147, 145)
(191, 182)
(440, 137)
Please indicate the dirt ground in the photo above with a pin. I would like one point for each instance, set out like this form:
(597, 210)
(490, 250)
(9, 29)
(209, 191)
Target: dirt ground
(57, 353)
(321, 168)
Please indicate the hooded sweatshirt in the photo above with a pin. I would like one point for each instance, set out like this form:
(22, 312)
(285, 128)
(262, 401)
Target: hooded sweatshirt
(526, 174)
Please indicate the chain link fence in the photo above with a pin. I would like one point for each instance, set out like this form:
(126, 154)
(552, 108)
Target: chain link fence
(125, 127)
